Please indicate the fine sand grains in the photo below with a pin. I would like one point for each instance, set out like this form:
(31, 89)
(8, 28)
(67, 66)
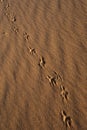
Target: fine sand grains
(43, 64)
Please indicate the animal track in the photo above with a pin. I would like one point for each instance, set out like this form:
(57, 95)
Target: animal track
(57, 76)
(64, 93)
(66, 119)
(32, 50)
(13, 18)
(15, 29)
(10, 17)
(42, 62)
(62, 87)
(51, 80)
(26, 36)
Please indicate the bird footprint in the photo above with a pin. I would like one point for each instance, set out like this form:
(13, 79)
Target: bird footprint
(42, 62)
(64, 93)
(66, 119)
(32, 50)
(51, 80)
(26, 36)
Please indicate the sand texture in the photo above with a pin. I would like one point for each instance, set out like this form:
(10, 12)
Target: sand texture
(43, 64)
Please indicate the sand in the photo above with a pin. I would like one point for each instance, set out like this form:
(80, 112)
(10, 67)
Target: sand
(43, 64)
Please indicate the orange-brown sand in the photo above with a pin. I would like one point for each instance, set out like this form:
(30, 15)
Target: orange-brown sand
(43, 64)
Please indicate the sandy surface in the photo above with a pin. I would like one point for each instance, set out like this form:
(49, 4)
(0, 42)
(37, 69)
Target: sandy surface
(43, 64)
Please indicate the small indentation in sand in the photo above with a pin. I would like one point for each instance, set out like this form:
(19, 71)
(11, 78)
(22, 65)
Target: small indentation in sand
(66, 119)
(64, 93)
(51, 80)
(26, 36)
(15, 29)
(32, 50)
(42, 62)
(6, 34)
(54, 78)
(13, 18)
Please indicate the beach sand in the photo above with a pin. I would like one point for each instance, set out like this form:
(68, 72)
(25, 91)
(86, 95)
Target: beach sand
(43, 64)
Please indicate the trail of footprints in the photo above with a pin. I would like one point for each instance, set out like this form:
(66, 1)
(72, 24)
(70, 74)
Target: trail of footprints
(52, 79)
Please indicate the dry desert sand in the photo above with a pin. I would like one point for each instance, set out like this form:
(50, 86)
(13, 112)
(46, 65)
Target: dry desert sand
(43, 64)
